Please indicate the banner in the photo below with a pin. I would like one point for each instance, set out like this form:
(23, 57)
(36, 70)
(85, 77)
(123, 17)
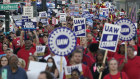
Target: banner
(79, 27)
(68, 70)
(62, 17)
(29, 26)
(40, 50)
(18, 23)
(89, 22)
(44, 21)
(110, 35)
(43, 14)
(104, 11)
(28, 11)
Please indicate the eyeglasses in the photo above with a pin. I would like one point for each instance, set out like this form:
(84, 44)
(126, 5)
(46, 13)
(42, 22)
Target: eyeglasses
(4, 60)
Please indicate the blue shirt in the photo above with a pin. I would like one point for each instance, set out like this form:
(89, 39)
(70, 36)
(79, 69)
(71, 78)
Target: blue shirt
(19, 74)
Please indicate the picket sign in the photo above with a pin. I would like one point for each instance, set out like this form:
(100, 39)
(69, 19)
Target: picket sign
(68, 70)
(109, 39)
(62, 17)
(28, 11)
(128, 31)
(79, 27)
(62, 41)
(43, 14)
(104, 11)
(40, 50)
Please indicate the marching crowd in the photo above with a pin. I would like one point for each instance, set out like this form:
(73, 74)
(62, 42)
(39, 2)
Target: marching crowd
(19, 48)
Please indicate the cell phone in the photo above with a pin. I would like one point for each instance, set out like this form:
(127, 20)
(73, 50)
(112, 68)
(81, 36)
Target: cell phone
(4, 73)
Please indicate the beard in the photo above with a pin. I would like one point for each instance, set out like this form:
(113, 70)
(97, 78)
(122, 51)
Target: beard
(13, 65)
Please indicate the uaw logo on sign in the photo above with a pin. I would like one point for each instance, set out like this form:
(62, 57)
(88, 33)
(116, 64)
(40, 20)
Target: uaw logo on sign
(128, 29)
(109, 39)
(62, 41)
(79, 27)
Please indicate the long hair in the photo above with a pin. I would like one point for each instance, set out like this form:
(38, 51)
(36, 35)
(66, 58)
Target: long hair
(53, 67)
(1, 59)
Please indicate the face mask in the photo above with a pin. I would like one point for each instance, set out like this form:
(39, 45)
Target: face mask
(50, 64)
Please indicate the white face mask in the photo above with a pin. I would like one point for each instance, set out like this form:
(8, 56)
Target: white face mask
(50, 64)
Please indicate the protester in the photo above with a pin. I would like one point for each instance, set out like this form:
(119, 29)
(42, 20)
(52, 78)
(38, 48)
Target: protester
(120, 55)
(77, 59)
(75, 74)
(93, 47)
(51, 67)
(14, 72)
(21, 63)
(114, 73)
(131, 65)
(27, 50)
(4, 61)
(9, 52)
(4, 48)
(45, 75)
(99, 66)
(57, 60)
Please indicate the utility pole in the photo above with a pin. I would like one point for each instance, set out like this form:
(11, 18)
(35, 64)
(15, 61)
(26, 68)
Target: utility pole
(34, 8)
(7, 21)
(44, 5)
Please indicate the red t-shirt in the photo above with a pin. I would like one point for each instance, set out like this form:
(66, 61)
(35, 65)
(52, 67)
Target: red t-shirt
(2, 53)
(0, 47)
(16, 43)
(132, 68)
(117, 56)
(93, 58)
(117, 76)
(24, 54)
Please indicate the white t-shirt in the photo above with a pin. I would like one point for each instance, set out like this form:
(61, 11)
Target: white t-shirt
(57, 60)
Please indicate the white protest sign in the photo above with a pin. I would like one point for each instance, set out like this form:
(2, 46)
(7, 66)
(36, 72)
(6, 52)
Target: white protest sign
(110, 35)
(68, 70)
(62, 17)
(6, 1)
(40, 50)
(79, 27)
(43, 14)
(28, 11)
(35, 68)
(104, 11)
